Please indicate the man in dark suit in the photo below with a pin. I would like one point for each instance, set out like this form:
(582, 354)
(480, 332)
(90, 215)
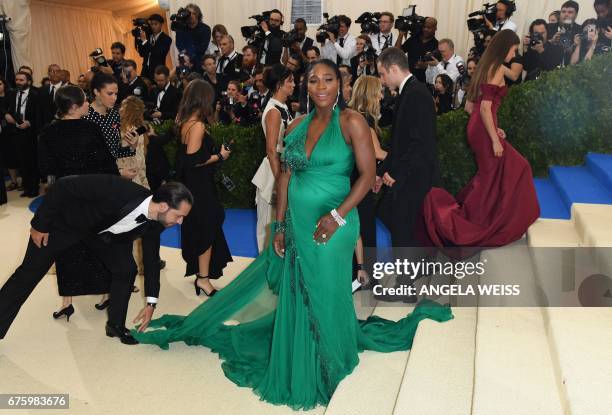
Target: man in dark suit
(271, 48)
(130, 83)
(165, 99)
(47, 94)
(107, 213)
(154, 48)
(23, 117)
(410, 167)
(229, 66)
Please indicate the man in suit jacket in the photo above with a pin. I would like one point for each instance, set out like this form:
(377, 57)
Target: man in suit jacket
(229, 66)
(47, 94)
(271, 48)
(410, 167)
(153, 48)
(24, 122)
(107, 213)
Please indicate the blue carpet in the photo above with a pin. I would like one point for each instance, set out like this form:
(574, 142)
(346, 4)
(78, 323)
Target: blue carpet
(551, 204)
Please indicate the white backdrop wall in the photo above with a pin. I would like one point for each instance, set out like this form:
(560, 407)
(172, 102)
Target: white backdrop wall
(451, 14)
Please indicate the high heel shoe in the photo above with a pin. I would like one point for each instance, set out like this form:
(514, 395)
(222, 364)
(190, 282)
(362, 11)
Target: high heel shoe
(199, 289)
(66, 311)
(103, 305)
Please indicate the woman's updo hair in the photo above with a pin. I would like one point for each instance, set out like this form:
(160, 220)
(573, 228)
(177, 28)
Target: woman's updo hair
(275, 76)
(304, 87)
(100, 80)
(66, 97)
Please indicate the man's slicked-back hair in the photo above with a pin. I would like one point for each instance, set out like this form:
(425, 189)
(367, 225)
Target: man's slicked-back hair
(393, 56)
(173, 193)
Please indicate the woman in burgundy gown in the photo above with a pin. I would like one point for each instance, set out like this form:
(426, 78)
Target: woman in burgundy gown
(499, 203)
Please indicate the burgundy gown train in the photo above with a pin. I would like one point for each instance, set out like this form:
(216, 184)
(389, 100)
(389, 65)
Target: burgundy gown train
(497, 206)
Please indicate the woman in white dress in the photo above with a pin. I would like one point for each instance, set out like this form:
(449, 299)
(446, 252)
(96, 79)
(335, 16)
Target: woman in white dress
(274, 120)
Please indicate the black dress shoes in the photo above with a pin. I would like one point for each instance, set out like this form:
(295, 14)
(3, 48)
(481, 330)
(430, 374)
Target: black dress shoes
(162, 264)
(121, 332)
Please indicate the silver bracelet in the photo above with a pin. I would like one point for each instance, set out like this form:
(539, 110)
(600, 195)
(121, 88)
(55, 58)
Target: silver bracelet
(339, 220)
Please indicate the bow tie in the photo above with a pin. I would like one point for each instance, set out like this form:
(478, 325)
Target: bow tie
(141, 218)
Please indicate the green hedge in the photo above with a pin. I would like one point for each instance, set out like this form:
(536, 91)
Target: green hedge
(555, 120)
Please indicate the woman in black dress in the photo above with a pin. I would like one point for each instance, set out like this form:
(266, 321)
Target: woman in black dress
(366, 97)
(443, 96)
(203, 244)
(72, 145)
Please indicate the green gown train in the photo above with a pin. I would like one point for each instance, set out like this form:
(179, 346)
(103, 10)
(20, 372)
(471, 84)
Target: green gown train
(298, 335)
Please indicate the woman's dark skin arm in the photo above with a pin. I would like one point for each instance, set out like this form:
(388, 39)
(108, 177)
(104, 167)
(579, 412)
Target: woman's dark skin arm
(357, 132)
(273, 121)
(282, 186)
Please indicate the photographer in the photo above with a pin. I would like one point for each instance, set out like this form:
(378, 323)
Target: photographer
(229, 65)
(540, 54)
(554, 17)
(260, 90)
(218, 32)
(345, 43)
(131, 83)
(250, 63)
(117, 61)
(364, 63)
(463, 83)
(302, 42)
(153, 47)
(312, 54)
(234, 107)
(443, 94)
(564, 32)
(418, 46)
(164, 96)
(384, 38)
(209, 66)
(271, 49)
(446, 64)
(192, 35)
(505, 9)
(586, 43)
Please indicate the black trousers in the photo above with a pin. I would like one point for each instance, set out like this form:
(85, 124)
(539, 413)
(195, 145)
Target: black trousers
(3, 198)
(27, 160)
(117, 257)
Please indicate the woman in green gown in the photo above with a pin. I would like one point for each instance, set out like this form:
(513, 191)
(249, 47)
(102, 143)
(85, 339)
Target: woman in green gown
(286, 326)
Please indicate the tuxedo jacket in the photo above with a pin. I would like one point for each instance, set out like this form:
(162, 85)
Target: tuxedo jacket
(275, 48)
(47, 106)
(32, 110)
(307, 44)
(232, 71)
(169, 102)
(87, 205)
(412, 158)
(155, 54)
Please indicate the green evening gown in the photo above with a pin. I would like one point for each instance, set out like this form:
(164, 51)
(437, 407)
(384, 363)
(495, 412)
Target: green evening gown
(298, 335)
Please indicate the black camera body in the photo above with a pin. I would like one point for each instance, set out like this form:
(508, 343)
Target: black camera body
(566, 40)
(140, 24)
(412, 24)
(255, 34)
(180, 19)
(331, 25)
(535, 38)
(290, 38)
(98, 56)
(368, 55)
(370, 22)
(430, 56)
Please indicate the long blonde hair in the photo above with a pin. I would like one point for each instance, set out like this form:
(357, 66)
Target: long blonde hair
(365, 98)
(131, 114)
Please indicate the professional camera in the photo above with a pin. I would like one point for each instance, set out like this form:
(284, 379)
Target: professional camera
(410, 22)
(370, 22)
(368, 55)
(463, 80)
(140, 24)
(290, 38)
(566, 40)
(180, 19)
(255, 34)
(331, 25)
(535, 38)
(430, 56)
(98, 56)
(489, 11)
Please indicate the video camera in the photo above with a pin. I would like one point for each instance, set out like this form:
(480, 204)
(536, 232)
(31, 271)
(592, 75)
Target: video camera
(489, 12)
(290, 38)
(331, 25)
(410, 22)
(370, 22)
(180, 19)
(140, 24)
(255, 34)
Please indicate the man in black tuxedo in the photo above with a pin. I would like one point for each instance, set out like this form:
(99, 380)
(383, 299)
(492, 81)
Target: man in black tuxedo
(47, 94)
(130, 83)
(229, 66)
(409, 170)
(271, 48)
(165, 98)
(153, 48)
(23, 117)
(107, 213)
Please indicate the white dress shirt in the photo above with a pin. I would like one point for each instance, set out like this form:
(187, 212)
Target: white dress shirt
(160, 96)
(449, 68)
(401, 88)
(508, 24)
(152, 39)
(55, 87)
(328, 51)
(128, 223)
(24, 100)
(347, 50)
(221, 65)
(378, 41)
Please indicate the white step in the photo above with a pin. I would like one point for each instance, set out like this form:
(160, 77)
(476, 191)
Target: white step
(553, 233)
